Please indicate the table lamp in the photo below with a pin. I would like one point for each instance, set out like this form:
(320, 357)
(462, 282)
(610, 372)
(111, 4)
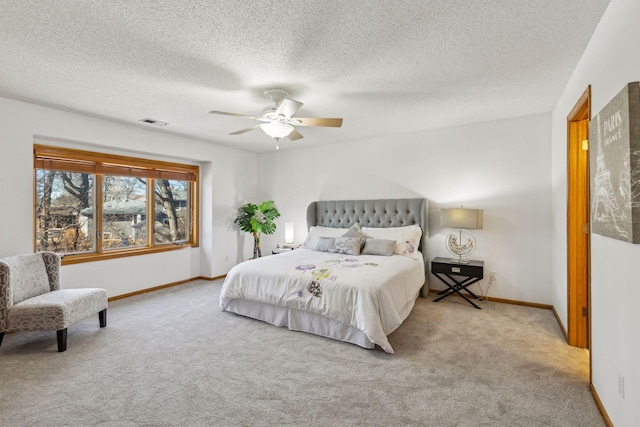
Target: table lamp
(288, 232)
(461, 243)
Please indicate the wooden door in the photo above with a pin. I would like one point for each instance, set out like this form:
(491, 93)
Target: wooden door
(578, 228)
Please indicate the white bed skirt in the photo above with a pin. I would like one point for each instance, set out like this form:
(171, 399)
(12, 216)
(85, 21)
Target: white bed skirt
(297, 320)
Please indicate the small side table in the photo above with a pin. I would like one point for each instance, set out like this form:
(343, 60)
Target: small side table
(281, 250)
(445, 269)
(285, 247)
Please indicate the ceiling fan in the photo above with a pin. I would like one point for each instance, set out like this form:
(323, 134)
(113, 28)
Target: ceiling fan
(277, 120)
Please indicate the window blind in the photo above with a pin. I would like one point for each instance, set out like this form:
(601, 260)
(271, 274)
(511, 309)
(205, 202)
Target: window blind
(70, 160)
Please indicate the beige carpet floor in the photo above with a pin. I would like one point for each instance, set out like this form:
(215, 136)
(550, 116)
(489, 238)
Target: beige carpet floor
(172, 358)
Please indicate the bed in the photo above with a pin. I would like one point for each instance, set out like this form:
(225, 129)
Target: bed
(359, 299)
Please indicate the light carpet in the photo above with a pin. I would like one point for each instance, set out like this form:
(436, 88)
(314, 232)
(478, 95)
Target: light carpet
(172, 358)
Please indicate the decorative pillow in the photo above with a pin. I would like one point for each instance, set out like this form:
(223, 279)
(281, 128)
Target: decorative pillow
(383, 247)
(319, 231)
(356, 232)
(325, 244)
(407, 238)
(347, 245)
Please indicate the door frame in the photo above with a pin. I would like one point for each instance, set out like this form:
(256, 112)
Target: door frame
(578, 225)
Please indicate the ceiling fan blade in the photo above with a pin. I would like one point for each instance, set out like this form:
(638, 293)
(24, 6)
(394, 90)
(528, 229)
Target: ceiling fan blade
(249, 129)
(332, 123)
(235, 115)
(288, 107)
(295, 135)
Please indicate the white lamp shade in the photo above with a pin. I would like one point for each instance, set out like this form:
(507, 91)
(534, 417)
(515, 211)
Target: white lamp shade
(288, 232)
(461, 218)
(277, 130)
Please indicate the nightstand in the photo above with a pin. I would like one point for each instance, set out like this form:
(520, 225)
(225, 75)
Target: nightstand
(285, 247)
(465, 275)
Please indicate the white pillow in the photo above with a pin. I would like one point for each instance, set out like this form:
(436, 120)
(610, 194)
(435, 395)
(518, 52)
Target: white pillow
(315, 233)
(407, 238)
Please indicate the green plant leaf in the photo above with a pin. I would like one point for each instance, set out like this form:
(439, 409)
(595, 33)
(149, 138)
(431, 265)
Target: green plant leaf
(257, 218)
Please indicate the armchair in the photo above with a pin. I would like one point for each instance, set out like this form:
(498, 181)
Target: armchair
(31, 298)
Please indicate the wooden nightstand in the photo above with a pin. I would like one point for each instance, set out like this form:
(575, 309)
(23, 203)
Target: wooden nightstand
(465, 275)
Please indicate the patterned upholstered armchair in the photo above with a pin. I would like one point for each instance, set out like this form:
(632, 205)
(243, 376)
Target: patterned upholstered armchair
(31, 298)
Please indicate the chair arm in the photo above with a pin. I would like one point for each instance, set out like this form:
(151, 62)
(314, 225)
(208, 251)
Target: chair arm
(6, 298)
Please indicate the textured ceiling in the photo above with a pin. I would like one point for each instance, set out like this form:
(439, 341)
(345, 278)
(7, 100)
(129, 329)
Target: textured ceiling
(385, 66)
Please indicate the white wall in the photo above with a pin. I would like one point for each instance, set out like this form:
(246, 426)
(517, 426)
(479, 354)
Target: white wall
(611, 60)
(502, 167)
(228, 177)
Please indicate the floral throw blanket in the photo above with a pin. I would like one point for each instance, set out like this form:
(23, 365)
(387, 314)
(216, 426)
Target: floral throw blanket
(368, 292)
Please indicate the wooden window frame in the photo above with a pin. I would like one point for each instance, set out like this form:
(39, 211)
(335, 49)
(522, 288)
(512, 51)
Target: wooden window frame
(99, 164)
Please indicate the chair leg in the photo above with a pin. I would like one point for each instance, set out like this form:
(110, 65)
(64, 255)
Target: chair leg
(62, 339)
(1, 336)
(103, 318)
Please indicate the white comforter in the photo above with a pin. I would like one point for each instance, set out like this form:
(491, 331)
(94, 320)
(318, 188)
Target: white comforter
(371, 293)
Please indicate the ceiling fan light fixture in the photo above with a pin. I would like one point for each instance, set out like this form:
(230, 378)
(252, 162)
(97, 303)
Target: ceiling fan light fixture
(277, 130)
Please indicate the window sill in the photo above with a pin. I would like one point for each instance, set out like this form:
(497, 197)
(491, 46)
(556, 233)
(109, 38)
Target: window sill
(122, 253)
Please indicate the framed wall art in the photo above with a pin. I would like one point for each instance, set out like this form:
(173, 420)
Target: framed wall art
(615, 167)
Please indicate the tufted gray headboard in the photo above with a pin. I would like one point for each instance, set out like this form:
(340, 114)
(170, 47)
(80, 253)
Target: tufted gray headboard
(380, 213)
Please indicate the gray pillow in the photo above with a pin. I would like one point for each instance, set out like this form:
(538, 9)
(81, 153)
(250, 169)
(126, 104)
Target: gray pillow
(325, 244)
(355, 231)
(347, 245)
(379, 247)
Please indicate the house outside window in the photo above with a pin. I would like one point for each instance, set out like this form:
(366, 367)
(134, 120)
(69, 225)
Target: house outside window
(95, 206)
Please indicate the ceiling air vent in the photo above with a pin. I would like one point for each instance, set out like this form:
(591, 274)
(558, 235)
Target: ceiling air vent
(154, 122)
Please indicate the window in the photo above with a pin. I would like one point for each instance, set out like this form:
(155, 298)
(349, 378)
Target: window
(124, 211)
(97, 206)
(171, 201)
(61, 199)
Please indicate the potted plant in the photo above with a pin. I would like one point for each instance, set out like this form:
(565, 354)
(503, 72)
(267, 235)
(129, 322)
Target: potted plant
(257, 219)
